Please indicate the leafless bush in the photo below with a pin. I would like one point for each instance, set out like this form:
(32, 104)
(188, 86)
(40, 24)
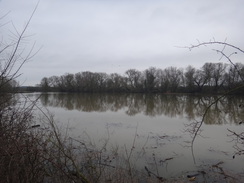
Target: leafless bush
(20, 146)
(33, 151)
(28, 152)
(19, 150)
(36, 151)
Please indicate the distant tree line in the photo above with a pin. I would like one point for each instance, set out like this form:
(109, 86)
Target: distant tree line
(210, 78)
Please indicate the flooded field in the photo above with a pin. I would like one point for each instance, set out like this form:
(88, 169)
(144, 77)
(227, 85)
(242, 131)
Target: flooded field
(155, 130)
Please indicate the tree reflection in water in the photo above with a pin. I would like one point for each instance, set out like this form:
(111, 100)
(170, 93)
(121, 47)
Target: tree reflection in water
(191, 107)
(157, 121)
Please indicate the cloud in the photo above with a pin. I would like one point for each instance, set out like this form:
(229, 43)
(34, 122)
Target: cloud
(113, 36)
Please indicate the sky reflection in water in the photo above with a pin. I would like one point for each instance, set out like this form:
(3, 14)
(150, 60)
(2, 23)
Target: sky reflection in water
(158, 121)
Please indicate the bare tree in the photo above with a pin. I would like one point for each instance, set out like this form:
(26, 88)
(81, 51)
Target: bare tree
(133, 77)
(195, 127)
(150, 79)
(12, 56)
(232, 77)
(218, 75)
(189, 78)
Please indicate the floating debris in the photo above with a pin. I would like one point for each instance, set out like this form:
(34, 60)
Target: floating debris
(161, 179)
(167, 159)
(192, 178)
(217, 165)
(35, 126)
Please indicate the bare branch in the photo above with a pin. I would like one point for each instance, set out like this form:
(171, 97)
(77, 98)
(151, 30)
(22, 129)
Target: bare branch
(212, 43)
(8, 72)
(228, 58)
(194, 127)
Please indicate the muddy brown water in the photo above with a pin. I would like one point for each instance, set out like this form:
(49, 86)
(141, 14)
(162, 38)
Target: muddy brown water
(156, 126)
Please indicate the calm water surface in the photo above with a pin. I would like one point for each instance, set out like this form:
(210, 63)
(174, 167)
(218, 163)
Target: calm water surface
(159, 125)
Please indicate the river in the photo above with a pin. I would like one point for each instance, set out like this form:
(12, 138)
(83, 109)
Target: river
(157, 128)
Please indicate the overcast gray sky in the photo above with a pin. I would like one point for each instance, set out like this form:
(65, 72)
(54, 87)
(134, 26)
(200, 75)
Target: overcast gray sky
(117, 35)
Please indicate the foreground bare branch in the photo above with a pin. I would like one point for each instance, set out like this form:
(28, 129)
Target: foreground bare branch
(194, 127)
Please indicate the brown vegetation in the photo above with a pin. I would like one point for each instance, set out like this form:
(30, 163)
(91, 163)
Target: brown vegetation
(37, 150)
